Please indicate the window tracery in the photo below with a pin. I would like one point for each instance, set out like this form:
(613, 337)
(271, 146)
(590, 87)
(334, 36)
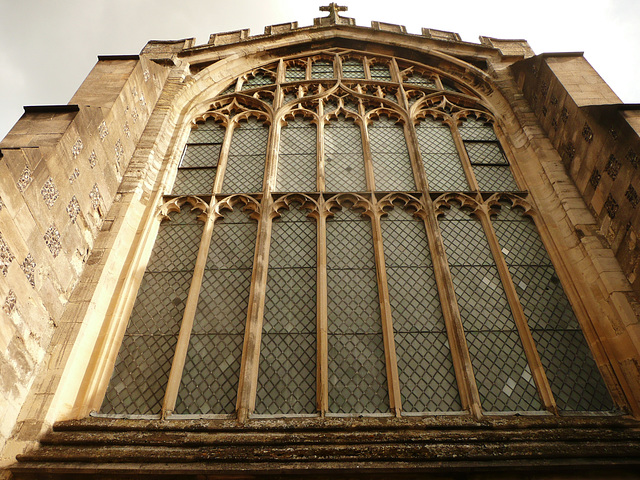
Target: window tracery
(319, 292)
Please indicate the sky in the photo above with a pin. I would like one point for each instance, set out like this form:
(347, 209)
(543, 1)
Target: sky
(47, 47)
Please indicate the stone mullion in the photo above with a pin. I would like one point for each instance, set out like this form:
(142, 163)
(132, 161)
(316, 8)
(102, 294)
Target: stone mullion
(182, 345)
(465, 378)
(467, 386)
(368, 161)
(248, 381)
(391, 361)
(321, 178)
(464, 156)
(250, 365)
(186, 327)
(224, 156)
(419, 174)
(322, 368)
(533, 359)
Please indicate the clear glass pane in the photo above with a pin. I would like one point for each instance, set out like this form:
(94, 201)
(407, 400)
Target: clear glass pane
(294, 73)
(498, 359)
(344, 158)
(207, 132)
(258, 80)
(380, 72)
(322, 69)
(440, 157)
(201, 155)
(287, 378)
(427, 378)
(140, 375)
(417, 79)
(196, 181)
(245, 165)
(494, 179)
(352, 69)
(297, 159)
(572, 373)
(357, 375)
(210, 377)
(391, 162)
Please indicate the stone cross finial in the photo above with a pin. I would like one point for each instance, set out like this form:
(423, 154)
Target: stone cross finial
(333, 8)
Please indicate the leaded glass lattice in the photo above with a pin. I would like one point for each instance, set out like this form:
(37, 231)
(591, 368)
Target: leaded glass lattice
(258, 80)
(198, 166)
(564, 352)
(498, 359)
(380, 72)
(298, 158)
(210, 377)
(357, 378)
(352, 68)
(322, 69)
(425, 367)
(489, 164)
(440, 157)
(245, 164)
(287, 377)
(294, 73)
(144, 361)
(344, 158)
(391, 162)
(420, 80)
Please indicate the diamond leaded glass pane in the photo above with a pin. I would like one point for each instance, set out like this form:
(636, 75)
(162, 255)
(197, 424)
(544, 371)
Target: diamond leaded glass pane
(380, 72)
(440, 157)
(357, 379)
(194, 181)
(144, 360)
(474, 129)
(344, 158)
(295, 72)
(494, 179)
(417, 79)
(207, 132)
(245, 165)
(201, 155)
(497, 355)
(391, 162)
(256, 81)
(322, 69)
(210, 377)
(352, 69)
(287, 378)
(425, 366)
(572, 373)
(297, 159)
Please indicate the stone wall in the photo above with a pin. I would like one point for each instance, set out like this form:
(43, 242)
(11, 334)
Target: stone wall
(60, 169)
(598, 138)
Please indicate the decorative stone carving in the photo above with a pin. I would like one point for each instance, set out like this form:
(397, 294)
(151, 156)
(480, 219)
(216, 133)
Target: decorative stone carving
(6, 257)
(74, 175)
(611, 206)
(1, 204)
(52, 240)
(95, 196)
(119, 149)
(595, 178)
(587, 133)
(49, 192)
(103, 131)
(126, 130)
(77, 148)
(28, 266)
(25, 179)
(9, 302)
(73, 209)
(93, 159)
(632, 196)
(633, 159)
(613, 167)
(134, 114)
(146, 75)
(564, 115)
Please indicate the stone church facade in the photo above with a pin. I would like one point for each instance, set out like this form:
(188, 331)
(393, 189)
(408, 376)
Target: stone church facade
(324, 250)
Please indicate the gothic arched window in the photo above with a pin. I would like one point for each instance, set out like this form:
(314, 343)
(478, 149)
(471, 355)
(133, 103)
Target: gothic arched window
(351, 249)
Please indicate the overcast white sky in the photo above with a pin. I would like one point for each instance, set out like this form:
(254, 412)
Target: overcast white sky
(47, 47)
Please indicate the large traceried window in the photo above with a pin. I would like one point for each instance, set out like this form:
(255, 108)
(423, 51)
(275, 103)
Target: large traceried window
(342, 244)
